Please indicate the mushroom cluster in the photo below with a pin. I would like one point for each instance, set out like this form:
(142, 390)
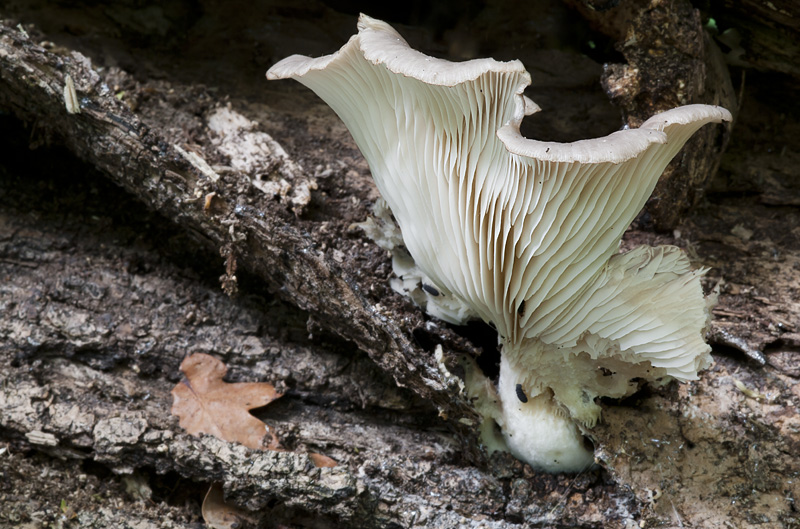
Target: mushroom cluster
(523, 234)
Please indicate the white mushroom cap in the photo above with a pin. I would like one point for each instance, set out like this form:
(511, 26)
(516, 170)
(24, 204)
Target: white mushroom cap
(522, 232)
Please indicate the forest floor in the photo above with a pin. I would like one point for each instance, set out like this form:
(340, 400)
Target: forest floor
(98, 292)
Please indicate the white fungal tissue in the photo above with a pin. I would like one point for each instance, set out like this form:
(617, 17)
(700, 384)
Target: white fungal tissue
(523, 234)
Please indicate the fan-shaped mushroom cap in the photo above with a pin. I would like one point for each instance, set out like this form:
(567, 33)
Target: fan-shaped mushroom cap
(523, 233)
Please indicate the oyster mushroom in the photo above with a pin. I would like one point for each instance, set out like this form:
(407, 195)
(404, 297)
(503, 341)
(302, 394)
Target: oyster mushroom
(523, 234)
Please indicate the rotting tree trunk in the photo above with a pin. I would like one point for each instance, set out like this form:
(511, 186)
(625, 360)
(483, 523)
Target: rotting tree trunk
(670, 61)
(67, 407)
(266, 241)
(89, 356)
(760, 34)
(66, 395)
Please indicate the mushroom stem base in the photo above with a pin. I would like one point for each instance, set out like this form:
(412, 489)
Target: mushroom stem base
(538, 431)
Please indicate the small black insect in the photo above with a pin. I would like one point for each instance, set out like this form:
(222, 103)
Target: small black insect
(521, 394)
(430, 290)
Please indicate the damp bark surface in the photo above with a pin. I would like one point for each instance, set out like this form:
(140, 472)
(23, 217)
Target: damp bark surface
(190, 206)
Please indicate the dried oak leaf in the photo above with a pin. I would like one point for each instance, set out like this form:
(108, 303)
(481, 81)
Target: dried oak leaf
(220, 515)
(204, 403)
(321, 460)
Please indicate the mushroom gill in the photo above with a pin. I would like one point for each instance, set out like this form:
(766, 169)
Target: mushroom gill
(522, 233)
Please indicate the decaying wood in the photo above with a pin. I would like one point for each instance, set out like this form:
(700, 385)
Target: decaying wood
(89, 360)
(99, 311)
(66, 340)
(670, 61)
(107, 135)
(761, 34)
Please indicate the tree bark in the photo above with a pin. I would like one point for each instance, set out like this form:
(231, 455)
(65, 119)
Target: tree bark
(102, 299)
(267, 240)
(670, 61)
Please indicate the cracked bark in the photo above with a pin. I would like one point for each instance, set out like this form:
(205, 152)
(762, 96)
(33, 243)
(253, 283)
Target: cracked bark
(69, 405)
(102, 299)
